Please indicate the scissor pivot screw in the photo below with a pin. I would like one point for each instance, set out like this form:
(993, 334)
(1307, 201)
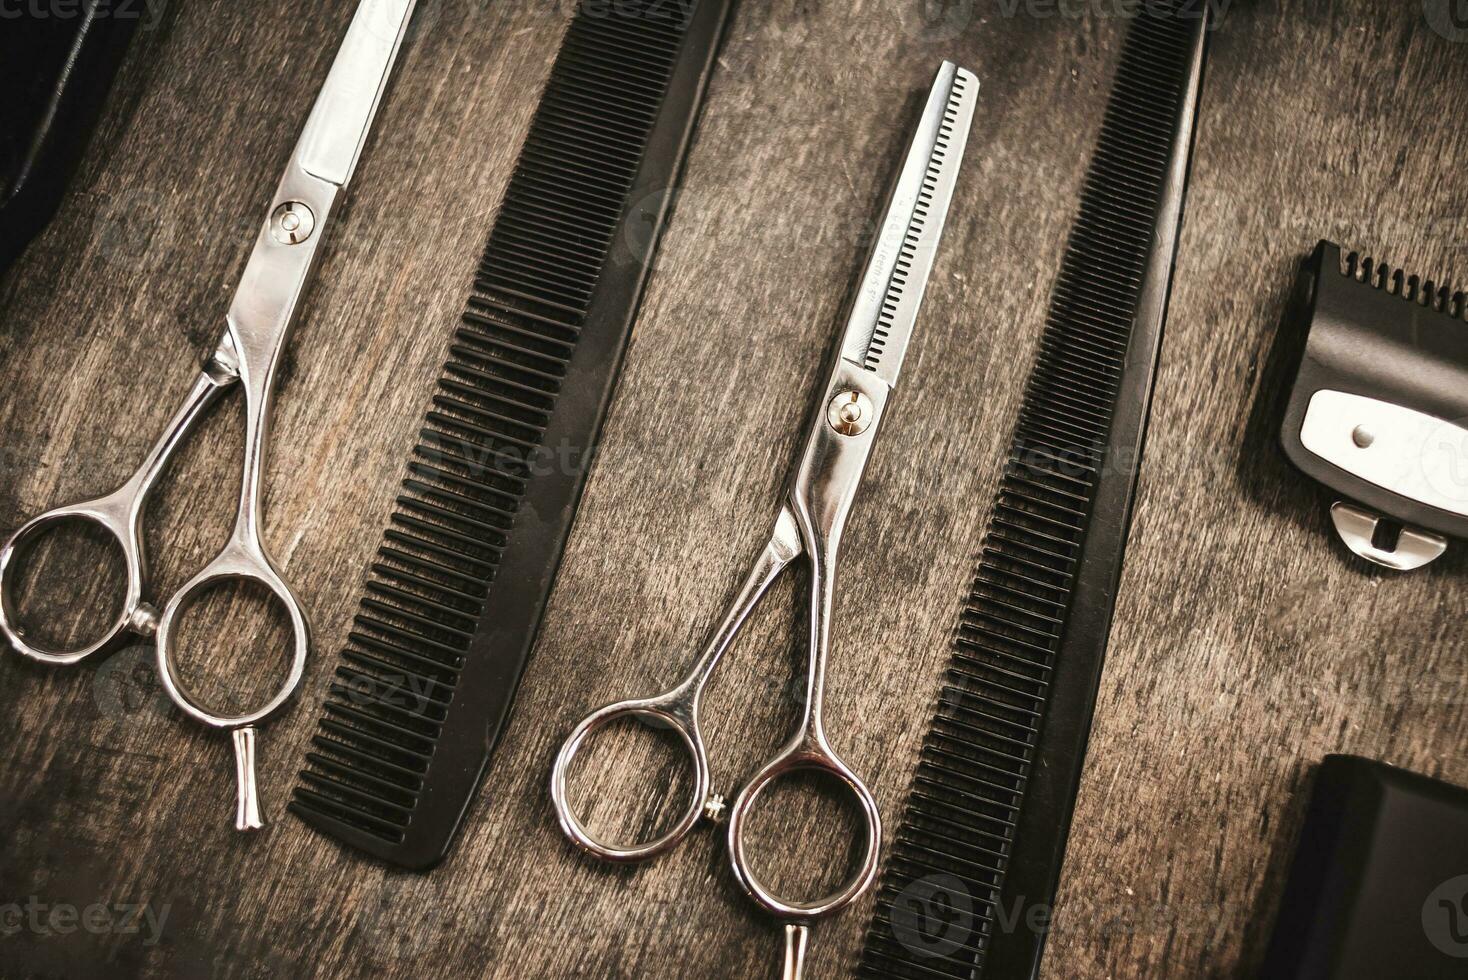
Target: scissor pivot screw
(850, 413)
(292, 223)
(144, 620)
(713, 808)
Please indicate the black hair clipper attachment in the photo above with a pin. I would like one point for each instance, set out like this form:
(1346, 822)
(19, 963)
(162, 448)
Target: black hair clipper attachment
(1379, 408)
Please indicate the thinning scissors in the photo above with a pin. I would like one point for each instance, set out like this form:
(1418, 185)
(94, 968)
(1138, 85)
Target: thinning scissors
(257, 328)
(810, 523)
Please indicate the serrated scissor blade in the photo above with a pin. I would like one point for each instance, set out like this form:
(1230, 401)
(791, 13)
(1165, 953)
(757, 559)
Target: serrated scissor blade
(886, 303)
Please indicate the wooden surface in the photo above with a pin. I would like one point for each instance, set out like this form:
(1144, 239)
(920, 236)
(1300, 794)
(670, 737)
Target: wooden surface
(1247, 643)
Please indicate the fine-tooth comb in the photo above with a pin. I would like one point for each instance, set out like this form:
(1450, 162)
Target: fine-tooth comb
(455, 596)
(984, 829)
(1378, 407)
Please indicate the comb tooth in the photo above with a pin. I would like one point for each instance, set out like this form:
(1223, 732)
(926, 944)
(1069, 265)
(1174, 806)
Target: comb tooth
(978, 759)
(344, 766)
(420, 690)
(344, 790)
(386, 730)
(404, 663)
(393, 704)
(404, 776)
(1353, 263)
(372, 744)
(309, 802)
(427, 686)
(401, 674)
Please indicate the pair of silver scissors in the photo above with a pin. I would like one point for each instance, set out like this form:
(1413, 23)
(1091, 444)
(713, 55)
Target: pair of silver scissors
(810, 524)
(257, 328)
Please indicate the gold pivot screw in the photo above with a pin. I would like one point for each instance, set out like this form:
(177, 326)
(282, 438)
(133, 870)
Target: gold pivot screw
(850, 413)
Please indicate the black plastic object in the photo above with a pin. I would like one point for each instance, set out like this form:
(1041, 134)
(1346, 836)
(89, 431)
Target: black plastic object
(1379, 884)
(1377, 332)
(455, 598)
(967, 889)
(57, 62)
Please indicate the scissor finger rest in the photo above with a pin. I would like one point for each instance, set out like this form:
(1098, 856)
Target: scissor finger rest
(235, 563)
(669, 711)
(112, 516)
(804, 755)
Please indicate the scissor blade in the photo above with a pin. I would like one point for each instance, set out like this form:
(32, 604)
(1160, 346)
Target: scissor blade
(342, 117)
(886, 303)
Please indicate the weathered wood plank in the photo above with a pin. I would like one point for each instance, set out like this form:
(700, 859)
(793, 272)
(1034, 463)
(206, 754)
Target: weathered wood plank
(1246, 643)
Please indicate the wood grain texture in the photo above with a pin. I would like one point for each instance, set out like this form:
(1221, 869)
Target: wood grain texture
(1246, 644)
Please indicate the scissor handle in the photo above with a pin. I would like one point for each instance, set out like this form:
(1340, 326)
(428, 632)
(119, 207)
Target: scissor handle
(675, 710)
(241, 560)
(111, 514)
(807, 753)
(119, 513)
(242, 564)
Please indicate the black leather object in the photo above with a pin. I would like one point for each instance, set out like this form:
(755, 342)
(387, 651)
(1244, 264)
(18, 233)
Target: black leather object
(57, 62)
(1379, 885)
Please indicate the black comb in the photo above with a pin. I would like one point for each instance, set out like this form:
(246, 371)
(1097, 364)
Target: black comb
(986, 820)
(455, 596)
